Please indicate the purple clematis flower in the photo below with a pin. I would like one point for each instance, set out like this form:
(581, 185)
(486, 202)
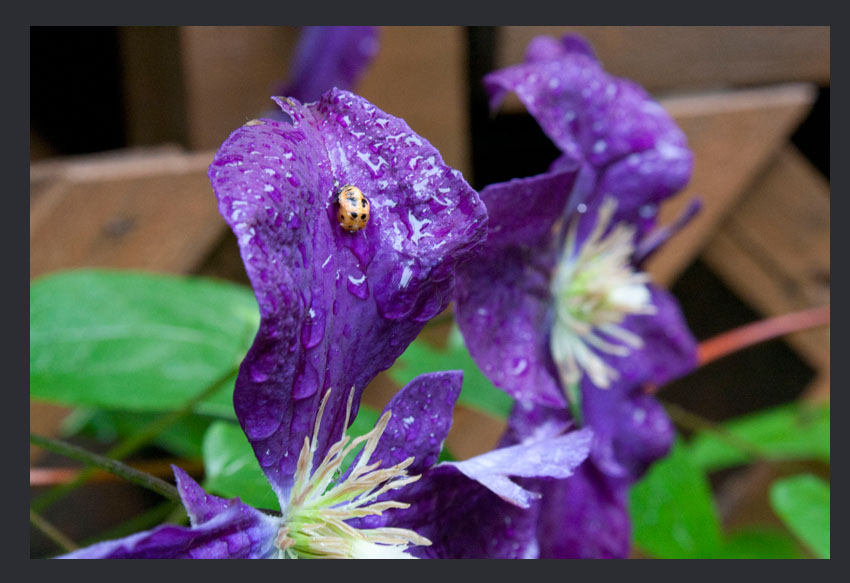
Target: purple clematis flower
(557, 303)
(564, 291)
(336, 308)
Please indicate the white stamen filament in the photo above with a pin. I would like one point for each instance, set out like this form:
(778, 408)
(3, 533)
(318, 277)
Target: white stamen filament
(594, 288)
(314, 521)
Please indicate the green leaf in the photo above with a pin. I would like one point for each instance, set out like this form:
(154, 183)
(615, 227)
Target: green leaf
(802, 502)
(672, 510)
(182, 438)
(137, 341)
(232, 469)
(759, 543)
(477, 391)
(793, 431)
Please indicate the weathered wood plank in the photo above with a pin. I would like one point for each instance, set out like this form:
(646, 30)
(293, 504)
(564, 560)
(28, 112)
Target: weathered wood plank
(676, 58)
(146, 211)
(733, 136)
(773, 249)
(229, 74)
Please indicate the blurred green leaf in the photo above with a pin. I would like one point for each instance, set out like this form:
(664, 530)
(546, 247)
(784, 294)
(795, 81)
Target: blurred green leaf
(232, 469)
(137, 341)
(478, 392)
(759, 543)
(793, 431)
(802, 502)
(672, 510)
(182, 438)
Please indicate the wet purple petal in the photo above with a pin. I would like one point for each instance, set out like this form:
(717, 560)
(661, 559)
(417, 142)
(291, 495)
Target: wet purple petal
(503, 310)
(221, 529)
(556, 457)
(546, 48)
(463, 519)
(584, 517)
(589, 114)
(639, 154)
(524, 210)
(420, 421)
(336, 307)
(472, 509)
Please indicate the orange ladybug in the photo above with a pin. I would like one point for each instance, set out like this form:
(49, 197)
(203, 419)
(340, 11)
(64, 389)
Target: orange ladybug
(353, 209)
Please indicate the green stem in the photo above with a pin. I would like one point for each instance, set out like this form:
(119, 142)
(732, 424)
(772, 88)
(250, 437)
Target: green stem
(112, 466)
(693, 422)
(688, 420)
(53, 533)
(134, 442)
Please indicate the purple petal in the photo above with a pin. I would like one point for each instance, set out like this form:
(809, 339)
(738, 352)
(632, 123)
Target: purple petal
(502, 298)
(639, 153)
(584, 517)
(328, 57)
(524, 210)
(504, 312)
(236, 532)
(631, 428)
(471, 509)
(420, 421)
(336, 307)
(546, 48)
(556, 458)
(200, 506)
(462, 519)
(588, 113)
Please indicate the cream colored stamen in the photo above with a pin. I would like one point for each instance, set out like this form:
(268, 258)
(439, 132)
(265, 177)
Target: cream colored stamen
(594, 288)
(314, 521)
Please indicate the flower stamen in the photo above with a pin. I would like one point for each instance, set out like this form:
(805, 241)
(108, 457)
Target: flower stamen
(314, 522)
(595, 287)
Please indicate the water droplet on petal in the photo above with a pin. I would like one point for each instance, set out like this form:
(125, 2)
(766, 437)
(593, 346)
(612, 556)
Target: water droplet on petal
(358, 286)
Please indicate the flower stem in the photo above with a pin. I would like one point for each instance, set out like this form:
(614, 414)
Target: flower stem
(697, 423)
(751, 334)
(134, 442)
(113, 466)
(57, 536)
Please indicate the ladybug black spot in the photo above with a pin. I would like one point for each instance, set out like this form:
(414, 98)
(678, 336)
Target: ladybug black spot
(363, 203)
(353, 215)
(363, 216)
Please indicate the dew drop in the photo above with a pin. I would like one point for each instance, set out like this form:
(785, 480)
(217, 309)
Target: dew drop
(358, 286)
(314, 328)
(519, 366)
(258, 373)
(306, 383)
